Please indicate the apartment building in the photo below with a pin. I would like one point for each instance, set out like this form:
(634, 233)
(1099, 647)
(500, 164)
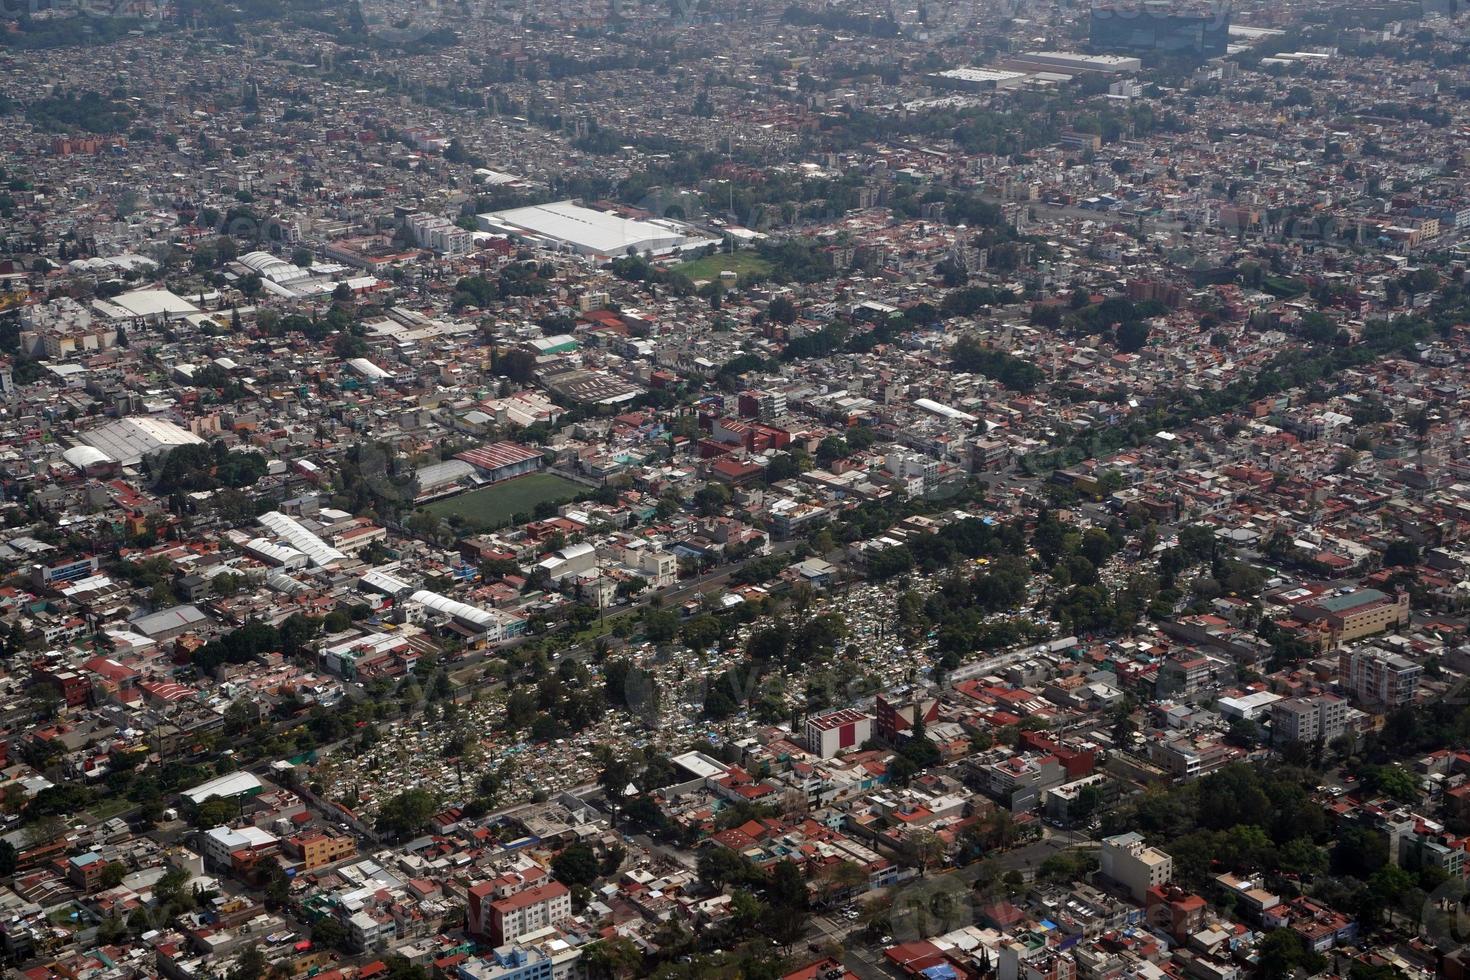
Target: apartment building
(914, 467)
(1019, 782)
(439, 234)
(316, 850)
(829, 734)
(1031, 957)
(1377, 679)
(527, 911)
(1307, 719)
(1130, 862)
(219, 843)
(1185, 757)
(1183, 676)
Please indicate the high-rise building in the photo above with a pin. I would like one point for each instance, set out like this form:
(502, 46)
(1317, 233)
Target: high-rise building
(1163, 26)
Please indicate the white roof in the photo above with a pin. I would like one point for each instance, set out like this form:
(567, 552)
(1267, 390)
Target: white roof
(368, 369)
(83, 456)
(151, 302)
(587, 230)
(223, 786)
(282, 582)
(270, 551)
(981, 74)
(700, 764)
(438, 474)
(272, 268)
(247, 836)
(929, 405)
(297, 536)
(129, 440)
(383, 582)
(462, 611)
(1249, 702)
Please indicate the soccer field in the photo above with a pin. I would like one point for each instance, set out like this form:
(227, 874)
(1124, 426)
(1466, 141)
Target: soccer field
(711, 266)
(495, 505)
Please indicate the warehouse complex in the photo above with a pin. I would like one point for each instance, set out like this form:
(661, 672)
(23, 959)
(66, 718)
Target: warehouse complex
(569, 227)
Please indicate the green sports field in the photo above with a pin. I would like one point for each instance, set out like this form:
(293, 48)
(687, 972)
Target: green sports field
(494, 506)
(710, 267)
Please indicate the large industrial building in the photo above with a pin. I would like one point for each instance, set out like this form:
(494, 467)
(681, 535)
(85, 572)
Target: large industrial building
(1070, 63)
(1160, 26)
(501, 460)
(300, 539)
(570, 227)
(128, 440)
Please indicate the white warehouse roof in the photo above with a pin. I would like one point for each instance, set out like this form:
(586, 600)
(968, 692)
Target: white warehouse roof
(929, 405)
(272, 552)
(84, 456)
(368, 369)
(225, 787)
(129, 440)
(298, 537)
(383, 582)
(452, 607)
(590, 232)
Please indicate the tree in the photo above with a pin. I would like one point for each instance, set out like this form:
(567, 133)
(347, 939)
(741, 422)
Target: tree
(782, 310)
(1359, 851)
(576, 865)
(400, 968)
(616, 776)
(842, 879)
(701, 632)
(615, 958)
(970, 355)
(406, 814)
(789, 900)
(7, 858)
(660, 625)
(928, 849)
(711, 498)
(113, 873)
(1132, 335)
(612, 859)
(1282, 952)
(1374, 971)
(170, 888)
(830, 449)
(1089, 798)
(215, 812)
(1394, 781)
(276, 886)
(329, 933)
(720, 866)
(1400, 553)
(111, 929)
(252, 964)
(901, 769)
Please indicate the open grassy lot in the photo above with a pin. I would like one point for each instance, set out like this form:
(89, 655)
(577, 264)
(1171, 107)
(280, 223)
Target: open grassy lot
(710, 267)
(495, 505)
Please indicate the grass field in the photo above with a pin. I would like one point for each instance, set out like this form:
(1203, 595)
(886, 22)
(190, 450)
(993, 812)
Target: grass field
(710, 267)
(495, 505)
